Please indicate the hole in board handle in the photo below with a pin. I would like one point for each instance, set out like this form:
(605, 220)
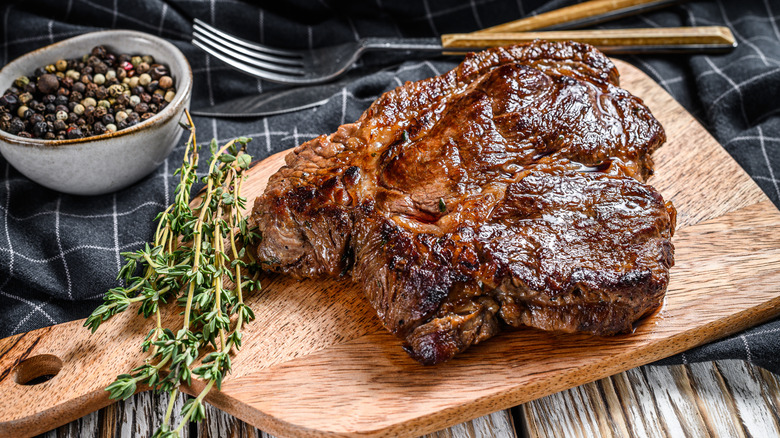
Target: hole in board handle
(37, 369)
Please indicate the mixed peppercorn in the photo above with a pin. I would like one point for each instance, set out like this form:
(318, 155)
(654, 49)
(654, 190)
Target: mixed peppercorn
(75, 98)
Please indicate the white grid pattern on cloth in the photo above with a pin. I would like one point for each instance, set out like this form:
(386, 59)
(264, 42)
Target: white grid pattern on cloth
(122, 221)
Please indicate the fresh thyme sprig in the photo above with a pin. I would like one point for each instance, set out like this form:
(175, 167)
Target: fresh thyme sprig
(188, 262)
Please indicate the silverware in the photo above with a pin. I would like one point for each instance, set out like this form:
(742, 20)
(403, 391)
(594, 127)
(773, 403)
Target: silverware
(306, 67)
(274, 102)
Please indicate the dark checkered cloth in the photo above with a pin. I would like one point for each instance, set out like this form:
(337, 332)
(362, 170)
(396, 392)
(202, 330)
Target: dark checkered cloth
(59, 253)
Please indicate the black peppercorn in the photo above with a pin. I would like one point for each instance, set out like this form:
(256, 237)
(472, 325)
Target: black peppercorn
(39, 107)
(35, 118)
(122, 100)
(74, 133)
(50, 108)
(60, 125)
(40, 128)
(48, 83)
(9, 101)
(154, 85)
(108, 119)
(79, 87)
(72, 117)
(48, 136)
(101, 93)
(87, 70)
(50, 117)
(99, 51)
(24, 134)
(157, 71)
(16, 126)
(101, 68)
(49, 98)
(141, 108)
(75, 96)
(38, 72)
(63, 91)
(145, 97)
(99, 128)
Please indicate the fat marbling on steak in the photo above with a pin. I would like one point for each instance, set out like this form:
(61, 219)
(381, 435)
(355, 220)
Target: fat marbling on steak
(508, 191)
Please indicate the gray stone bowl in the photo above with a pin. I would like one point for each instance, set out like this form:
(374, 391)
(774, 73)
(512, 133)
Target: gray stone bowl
(111, 161)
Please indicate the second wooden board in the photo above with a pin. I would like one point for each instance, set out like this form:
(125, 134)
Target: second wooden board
(317, 361)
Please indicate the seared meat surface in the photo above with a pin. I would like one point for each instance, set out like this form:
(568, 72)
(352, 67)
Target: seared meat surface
(507, 191)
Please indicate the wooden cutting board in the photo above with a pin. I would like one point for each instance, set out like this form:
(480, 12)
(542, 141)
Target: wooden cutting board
(318, 362)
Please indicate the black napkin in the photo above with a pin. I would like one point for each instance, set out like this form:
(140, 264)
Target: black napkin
(59, 253)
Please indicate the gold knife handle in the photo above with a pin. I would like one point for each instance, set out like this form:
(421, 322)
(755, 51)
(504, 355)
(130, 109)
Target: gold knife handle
(607, 40)
(580, 15)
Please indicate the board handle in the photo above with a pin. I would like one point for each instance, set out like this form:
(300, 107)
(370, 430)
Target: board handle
(54, 375)
(613, 41)
(580, 15)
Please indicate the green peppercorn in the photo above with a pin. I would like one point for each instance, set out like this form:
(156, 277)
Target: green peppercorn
(21, 81)
(115, 90)
(73, 74)
(144, 80)
(50, 68)
(133, 82)
(103, 104)
(25, 97)
(136, 60)
(99, 79)
(170, 95)
(134, 100)
(148, 59)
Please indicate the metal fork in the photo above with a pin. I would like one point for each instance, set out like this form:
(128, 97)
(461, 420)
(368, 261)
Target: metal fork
(298, 67)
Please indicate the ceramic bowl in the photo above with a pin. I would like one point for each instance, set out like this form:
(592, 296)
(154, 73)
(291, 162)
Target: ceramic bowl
(111, 161)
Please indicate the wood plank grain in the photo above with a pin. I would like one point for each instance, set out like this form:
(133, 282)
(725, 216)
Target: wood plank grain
(567, 14)
(610, 41)
(727, 398)
(316, 361)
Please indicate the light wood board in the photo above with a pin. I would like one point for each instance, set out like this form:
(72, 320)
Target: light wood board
(317, 361)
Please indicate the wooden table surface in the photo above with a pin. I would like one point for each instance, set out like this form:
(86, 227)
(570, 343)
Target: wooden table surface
(724, 398)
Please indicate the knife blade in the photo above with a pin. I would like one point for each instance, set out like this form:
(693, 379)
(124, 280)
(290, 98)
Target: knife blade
(273, 102)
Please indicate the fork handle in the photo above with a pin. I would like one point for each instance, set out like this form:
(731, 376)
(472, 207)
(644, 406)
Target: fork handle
(611, 41)
(580, 15)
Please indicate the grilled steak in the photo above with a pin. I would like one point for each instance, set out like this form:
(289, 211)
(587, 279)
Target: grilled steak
(509, 191)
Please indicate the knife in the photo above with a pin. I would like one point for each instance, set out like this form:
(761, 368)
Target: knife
(273, 102)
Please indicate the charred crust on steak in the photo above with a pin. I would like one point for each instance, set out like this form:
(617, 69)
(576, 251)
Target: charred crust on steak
(539, 160)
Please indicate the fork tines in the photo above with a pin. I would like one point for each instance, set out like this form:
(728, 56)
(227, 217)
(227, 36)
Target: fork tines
(255, 59)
